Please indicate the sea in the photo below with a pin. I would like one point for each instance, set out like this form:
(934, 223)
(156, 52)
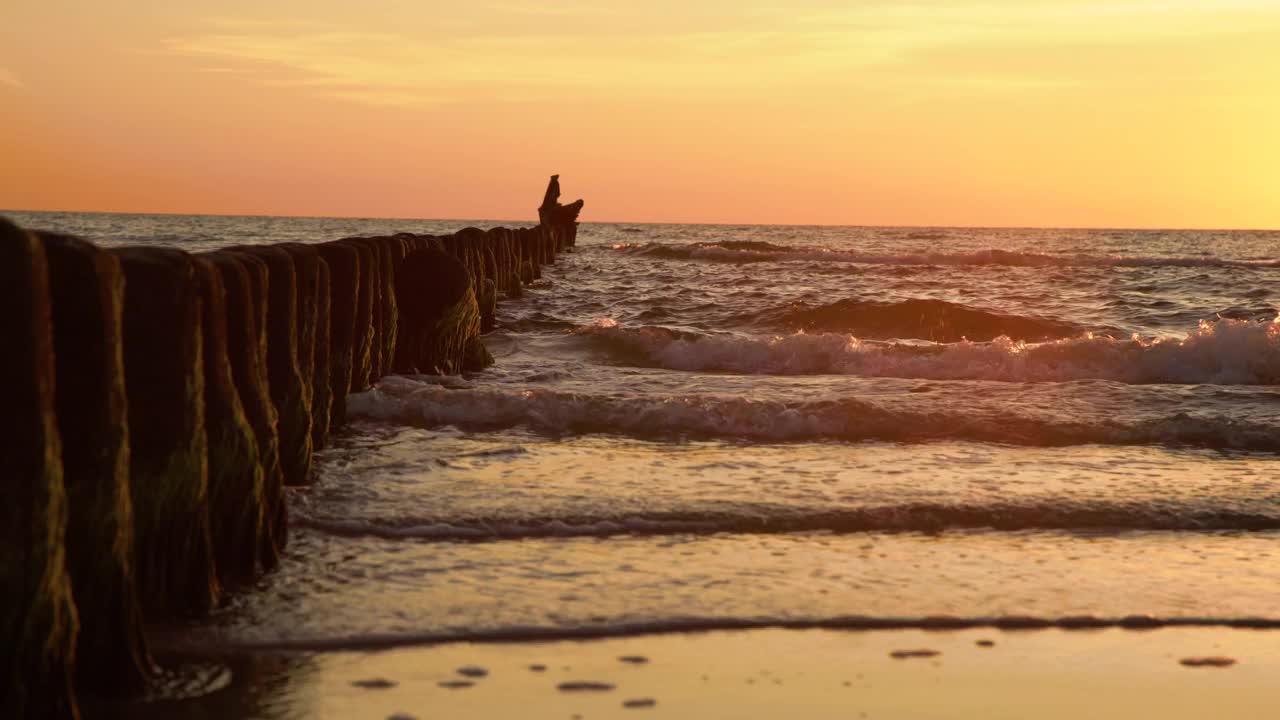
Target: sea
(691, 427)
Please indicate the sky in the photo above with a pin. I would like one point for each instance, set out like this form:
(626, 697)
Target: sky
(1082, 113)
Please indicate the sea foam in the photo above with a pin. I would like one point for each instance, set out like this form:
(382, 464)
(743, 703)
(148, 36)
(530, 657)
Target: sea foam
(1221, 352)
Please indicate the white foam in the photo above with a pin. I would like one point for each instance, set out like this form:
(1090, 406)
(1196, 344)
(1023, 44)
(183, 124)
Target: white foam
(1223, 352)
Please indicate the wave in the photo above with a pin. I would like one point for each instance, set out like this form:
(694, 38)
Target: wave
(926, 319)
(729, 251)
(535, 322)
(406, 401)
(198, 643)
(918, 518)
(1222, 352)
(753, 252)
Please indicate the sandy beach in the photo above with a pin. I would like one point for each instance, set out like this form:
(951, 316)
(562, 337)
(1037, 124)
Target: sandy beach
(762, 674)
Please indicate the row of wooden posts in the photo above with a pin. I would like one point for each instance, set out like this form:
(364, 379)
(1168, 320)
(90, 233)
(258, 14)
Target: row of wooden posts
(154, 402)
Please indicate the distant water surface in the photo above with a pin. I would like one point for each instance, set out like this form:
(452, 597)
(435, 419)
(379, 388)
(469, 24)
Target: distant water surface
(697, 425)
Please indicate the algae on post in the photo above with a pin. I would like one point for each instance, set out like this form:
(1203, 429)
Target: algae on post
(164, 381)
(343, 262)
(322, 382)
(237, 505)
(246, 281)
(37, 613)
(87, 291)
(289, 391)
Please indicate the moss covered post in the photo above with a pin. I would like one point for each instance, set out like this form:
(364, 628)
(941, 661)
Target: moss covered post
(364, 329)
(38, 622)
(164, 380)
(307, 268)
(441, 317)
(390, 311)
(245, 280)
(343, 263)
(237, 503)
(87, 290)
(322, 384)
(289, 391)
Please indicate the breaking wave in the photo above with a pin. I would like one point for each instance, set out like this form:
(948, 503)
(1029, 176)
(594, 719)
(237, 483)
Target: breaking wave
(406, 401)
(926, 319)
(754, 252)
(1222, 352)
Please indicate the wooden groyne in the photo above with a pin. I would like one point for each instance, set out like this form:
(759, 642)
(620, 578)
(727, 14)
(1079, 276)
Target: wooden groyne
(156, 402)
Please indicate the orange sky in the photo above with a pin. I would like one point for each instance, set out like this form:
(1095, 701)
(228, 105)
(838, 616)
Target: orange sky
(1155, 113)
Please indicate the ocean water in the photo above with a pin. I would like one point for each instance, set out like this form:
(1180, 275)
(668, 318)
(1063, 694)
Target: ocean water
(696, 426)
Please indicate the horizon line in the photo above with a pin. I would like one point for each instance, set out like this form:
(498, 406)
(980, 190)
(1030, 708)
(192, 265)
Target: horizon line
(718, 223)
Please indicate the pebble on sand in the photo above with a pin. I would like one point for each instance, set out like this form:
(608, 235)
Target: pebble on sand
(1216, 661)
(374, 683)
(634, 659)
(920, 653)
(986, 643)
(472, 671)
(639, 703)
(584, 686)
(537, 667)
(456, 684)
(402, 716)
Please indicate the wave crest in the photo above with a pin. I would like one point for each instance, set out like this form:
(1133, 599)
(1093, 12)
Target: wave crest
(926, 319)
(407, 401)
(1222, 352)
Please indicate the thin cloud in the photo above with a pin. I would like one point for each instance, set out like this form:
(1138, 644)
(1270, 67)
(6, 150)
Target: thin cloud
(763, 48)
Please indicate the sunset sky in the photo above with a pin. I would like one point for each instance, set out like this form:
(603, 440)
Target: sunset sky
(1152, 113)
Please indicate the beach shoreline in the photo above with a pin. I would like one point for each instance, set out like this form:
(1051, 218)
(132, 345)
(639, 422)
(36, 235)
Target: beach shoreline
(767, 673)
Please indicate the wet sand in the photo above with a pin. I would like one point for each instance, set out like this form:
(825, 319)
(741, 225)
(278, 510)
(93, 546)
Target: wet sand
(762, 674)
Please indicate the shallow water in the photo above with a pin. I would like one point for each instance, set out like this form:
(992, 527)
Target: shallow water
(719, 426)
(815, 674)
